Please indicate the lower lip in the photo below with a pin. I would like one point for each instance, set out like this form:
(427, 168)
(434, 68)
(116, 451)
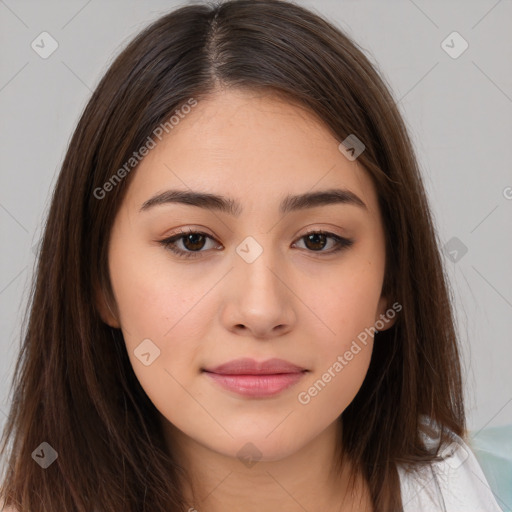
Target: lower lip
(256, 386)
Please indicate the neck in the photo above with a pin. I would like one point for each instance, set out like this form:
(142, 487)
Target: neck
(305, 480)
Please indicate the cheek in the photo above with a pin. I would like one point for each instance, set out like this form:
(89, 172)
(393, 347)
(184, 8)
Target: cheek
(346, 301)
(168, 306)
(347, 307)
(163, 305)
(341, 359)
(154, 297)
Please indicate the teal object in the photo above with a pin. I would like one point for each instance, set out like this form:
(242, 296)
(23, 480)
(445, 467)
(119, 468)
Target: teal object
(493, 449)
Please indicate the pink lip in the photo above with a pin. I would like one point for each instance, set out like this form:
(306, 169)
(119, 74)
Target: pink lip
(249, 378)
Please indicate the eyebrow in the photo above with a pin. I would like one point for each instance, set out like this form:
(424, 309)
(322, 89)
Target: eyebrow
(232, 207)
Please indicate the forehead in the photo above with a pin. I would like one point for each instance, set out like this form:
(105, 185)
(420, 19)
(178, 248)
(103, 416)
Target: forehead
(252, 146)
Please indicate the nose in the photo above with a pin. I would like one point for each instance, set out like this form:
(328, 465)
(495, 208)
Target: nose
(259, 298)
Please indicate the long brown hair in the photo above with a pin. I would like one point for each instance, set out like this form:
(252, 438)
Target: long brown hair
(74, 387)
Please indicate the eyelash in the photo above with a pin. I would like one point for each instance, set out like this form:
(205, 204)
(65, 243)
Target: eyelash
(168, 243)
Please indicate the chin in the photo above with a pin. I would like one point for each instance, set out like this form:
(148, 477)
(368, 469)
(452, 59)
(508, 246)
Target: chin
(258, 446)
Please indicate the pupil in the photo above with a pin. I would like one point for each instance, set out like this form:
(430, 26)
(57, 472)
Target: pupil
(193, 238)
(312, 237)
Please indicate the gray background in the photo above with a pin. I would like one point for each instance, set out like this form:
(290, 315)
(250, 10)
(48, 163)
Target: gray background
(458, 111)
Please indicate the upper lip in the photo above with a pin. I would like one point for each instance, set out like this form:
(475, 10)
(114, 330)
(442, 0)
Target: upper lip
(247, 366)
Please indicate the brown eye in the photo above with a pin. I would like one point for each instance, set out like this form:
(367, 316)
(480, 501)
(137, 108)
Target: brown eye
(193, 241)
(316, 241)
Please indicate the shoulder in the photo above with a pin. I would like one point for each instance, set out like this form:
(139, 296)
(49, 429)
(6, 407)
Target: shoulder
(455, 483)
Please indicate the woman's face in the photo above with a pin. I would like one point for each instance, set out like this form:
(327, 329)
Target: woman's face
(249, 283)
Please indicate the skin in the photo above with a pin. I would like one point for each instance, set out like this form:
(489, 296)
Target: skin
(293, 302)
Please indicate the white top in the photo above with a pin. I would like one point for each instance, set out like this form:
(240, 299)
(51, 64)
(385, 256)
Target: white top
(455, 484)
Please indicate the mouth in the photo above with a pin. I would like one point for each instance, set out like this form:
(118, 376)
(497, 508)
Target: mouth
(247, 377)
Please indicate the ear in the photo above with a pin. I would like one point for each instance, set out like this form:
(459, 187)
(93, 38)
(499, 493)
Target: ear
(104, 309)
(386, 314)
